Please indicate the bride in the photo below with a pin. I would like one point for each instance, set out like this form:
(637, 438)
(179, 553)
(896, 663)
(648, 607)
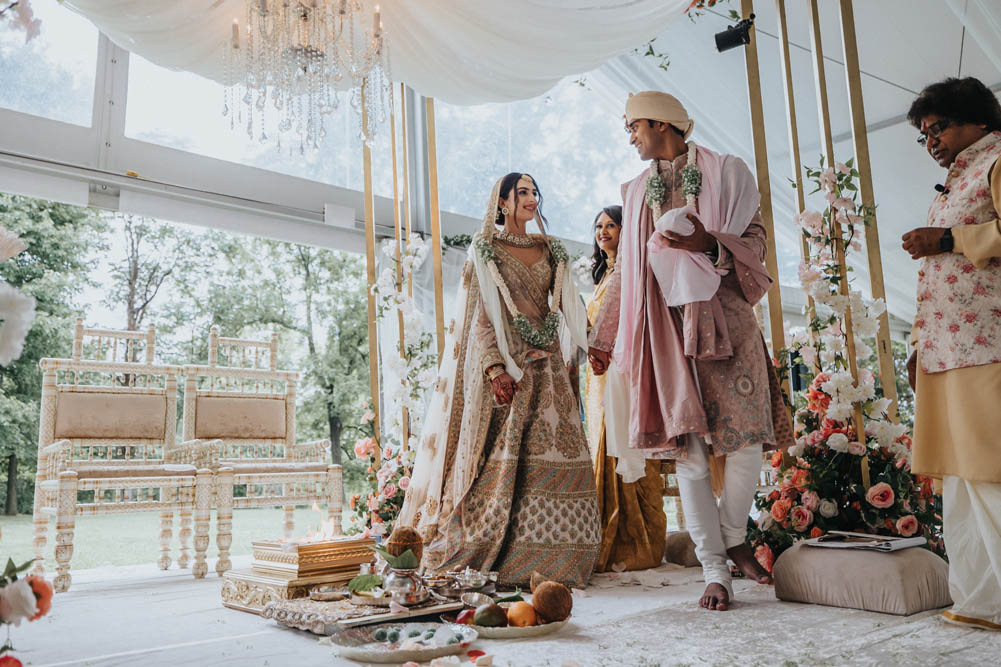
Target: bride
(503, 478)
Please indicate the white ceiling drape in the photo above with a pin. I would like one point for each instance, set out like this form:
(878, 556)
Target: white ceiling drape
(458, 51)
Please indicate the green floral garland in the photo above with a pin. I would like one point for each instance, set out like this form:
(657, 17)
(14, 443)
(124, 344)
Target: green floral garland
(656, 193)
(691, 180)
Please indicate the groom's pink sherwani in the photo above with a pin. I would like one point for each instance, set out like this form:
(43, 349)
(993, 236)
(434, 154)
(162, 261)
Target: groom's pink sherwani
(702, 368)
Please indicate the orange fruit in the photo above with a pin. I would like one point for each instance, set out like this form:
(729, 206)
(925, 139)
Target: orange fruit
(521, 615)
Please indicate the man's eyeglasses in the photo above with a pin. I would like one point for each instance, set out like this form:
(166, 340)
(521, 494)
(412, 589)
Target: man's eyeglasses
(934, 131)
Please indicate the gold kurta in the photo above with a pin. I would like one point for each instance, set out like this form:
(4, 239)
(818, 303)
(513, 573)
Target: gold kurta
(633, 522)
(956, 418)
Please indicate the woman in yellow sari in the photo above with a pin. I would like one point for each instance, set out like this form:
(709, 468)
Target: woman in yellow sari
(630, 500)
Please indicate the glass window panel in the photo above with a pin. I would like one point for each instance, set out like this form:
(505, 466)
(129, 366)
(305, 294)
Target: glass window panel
(52, 75)
(184, 111)
(570, 140)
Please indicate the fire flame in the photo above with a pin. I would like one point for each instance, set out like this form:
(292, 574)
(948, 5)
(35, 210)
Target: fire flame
(328, 531)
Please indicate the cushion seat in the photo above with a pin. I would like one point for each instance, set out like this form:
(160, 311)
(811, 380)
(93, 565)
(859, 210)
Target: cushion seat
(900, 582)
(117, 471)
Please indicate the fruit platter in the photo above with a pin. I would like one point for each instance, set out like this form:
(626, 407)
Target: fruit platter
(402, 642)
(514, 617)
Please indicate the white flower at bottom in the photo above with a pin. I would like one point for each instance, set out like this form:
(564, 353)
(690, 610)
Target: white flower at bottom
(17, 602)
(828, 508)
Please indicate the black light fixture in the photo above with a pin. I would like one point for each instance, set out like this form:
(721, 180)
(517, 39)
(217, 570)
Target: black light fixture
(735, 35)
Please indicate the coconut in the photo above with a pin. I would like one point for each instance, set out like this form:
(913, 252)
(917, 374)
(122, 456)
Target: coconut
(403, 538)
(552, 601)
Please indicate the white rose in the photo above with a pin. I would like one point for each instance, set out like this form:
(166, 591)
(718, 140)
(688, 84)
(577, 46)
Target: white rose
(838, 442)
(17, 602)
(828, 508)
(766, 521)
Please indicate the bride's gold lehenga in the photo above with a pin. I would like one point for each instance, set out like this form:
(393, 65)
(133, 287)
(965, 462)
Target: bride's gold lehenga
(531, 503)
(633, 522)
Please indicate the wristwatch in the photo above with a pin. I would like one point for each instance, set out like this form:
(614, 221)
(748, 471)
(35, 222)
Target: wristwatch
(946, 243)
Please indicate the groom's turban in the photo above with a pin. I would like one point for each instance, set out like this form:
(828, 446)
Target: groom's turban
(654, 105)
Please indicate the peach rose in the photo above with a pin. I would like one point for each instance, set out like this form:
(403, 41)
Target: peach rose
(816, 532)
(799, 478)
(907, 525)
(801, 518)
(880, 495)
(364, 447)
(763, 554)
(780, 510)
(43, 595)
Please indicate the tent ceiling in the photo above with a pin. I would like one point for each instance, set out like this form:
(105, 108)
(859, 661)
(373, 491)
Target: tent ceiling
(903, 45)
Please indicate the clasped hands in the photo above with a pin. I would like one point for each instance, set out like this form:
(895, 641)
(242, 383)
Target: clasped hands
(698, 241)
(923, 241)
(504, 387)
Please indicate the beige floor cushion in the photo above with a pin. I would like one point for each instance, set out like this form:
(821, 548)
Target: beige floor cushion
(903, 582)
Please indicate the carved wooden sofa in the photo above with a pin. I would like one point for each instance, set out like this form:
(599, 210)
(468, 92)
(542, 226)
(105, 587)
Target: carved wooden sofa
(239, 421)
(106, 420)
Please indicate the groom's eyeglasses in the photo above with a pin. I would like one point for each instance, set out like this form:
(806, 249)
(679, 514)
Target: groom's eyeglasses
(934, 131)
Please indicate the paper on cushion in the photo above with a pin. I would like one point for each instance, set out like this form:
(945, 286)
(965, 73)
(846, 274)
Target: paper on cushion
(683, 276)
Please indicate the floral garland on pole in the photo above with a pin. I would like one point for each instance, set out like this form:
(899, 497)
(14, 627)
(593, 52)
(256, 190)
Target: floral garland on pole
(415, 366)
(835, 478)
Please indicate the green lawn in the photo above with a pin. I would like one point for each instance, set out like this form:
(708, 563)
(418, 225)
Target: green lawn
(132, 539)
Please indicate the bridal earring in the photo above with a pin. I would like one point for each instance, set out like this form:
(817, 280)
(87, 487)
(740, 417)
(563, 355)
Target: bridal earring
(505, 210)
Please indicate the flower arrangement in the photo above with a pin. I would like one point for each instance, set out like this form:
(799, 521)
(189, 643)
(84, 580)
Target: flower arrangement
(391, 461)
(836, 478)
(28, 598)
(19, 16)
(388, 477)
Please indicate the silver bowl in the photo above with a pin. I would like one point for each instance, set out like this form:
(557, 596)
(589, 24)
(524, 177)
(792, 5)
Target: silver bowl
(474, 600)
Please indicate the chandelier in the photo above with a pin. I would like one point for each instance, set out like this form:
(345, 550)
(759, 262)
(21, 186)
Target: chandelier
(287, 65)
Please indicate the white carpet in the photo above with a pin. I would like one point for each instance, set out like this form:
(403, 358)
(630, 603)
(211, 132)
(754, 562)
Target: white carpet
(139, 615)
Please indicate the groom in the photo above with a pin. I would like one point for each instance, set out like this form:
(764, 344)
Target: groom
(678, 320)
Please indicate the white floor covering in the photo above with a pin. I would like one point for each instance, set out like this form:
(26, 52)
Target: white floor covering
(141, 616)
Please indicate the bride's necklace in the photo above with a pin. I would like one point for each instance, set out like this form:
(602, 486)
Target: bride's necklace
(517, 240)
(550, 324)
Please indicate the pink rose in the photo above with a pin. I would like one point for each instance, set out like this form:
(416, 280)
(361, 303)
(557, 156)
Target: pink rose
(856, 448)
(765, 557)
(389, 491)
(364, 447)
(880, 495)
(810, 500)
(404, 483)
(367, 417)
(907, 525)
(801, 518)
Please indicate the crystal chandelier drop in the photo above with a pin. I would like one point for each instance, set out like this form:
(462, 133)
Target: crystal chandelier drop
(286, 65)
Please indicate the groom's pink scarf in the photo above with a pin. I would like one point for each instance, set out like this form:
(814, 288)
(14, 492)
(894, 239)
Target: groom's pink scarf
(653, 345)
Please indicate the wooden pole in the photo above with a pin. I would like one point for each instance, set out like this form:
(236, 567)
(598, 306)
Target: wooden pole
(439, 300)
(764, 184)
(860, 139)
(373, 335)
(405, 416)
(824, 116)
(406, 174)
(794, 156)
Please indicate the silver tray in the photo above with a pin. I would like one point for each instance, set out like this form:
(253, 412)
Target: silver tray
(359, 643)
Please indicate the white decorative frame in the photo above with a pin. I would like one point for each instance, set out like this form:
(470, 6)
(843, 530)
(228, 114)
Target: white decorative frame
(124, 474)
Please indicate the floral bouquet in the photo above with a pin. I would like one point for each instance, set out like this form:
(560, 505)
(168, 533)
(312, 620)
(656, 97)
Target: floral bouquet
(374, 514)
(20, 599)
(836, 477)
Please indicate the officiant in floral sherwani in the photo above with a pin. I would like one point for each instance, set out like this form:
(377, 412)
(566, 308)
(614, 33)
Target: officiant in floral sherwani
(678, 314)
(503, 477)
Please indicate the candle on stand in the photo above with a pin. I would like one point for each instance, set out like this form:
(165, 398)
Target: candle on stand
(377, 21)
(236, 33)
